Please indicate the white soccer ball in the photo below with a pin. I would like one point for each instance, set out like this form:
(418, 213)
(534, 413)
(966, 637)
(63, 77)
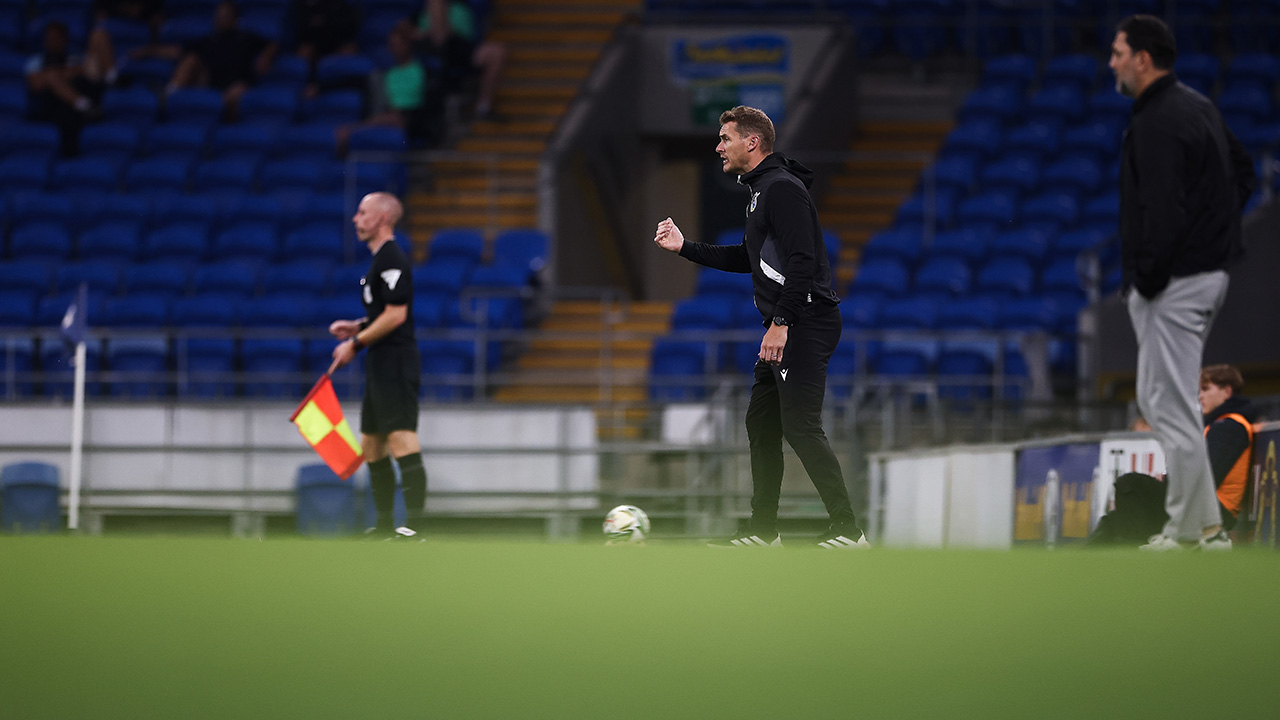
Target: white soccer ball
(626, 524)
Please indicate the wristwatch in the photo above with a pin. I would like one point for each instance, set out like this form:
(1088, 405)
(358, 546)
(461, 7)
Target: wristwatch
(781, 321)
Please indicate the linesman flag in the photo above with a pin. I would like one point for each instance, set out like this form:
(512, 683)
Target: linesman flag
(319, 419)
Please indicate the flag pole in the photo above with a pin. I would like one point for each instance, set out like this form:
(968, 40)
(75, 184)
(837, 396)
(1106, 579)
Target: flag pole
(77, 440)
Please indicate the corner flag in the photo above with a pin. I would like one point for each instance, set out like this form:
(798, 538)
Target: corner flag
(319, 419)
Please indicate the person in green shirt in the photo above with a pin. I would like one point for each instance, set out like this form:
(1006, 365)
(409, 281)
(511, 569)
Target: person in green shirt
(447, 29)
(407, 93)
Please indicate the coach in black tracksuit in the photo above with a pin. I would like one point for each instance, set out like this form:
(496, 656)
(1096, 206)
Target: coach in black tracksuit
(791, 276)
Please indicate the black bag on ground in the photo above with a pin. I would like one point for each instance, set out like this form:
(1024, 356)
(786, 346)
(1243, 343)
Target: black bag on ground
(1139, 512)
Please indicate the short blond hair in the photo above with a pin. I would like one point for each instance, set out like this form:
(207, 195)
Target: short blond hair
(751, 121)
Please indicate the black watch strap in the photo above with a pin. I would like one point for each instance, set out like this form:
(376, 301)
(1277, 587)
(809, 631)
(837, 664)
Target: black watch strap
(779, 320)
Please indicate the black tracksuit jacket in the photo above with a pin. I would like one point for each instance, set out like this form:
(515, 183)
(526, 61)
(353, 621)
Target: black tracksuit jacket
(782, 248)
(1184, 179)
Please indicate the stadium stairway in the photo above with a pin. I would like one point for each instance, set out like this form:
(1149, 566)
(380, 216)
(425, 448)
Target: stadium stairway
(862, 199)
(566, 364)
(551, 49)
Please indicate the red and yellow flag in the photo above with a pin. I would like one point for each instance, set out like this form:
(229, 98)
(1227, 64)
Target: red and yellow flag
(319, 419)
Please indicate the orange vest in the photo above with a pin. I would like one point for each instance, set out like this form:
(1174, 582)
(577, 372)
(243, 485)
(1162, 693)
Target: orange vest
(1231, 491)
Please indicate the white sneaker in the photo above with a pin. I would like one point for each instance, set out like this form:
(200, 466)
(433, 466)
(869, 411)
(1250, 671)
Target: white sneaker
(835, 540)
(1218, 542)
(1161, 543)
(746, 539)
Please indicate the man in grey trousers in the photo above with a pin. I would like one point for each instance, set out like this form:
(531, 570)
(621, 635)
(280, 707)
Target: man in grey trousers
(1184, 180)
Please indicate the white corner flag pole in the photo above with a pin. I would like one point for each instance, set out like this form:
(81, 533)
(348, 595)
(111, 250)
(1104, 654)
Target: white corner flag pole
(77, 440)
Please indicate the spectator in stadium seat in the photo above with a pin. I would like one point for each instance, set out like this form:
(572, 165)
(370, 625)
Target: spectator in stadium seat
(229, 59)
(406, 96)
(448, 30)
(1228, 436)
(324, 27)
(1184, 181)
(65, 88)
(147, 12)
(393, 368)
(784, 252)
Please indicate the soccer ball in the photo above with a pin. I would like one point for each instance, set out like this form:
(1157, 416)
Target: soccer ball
(626, 524)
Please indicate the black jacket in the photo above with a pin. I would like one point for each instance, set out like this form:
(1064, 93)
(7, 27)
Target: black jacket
(1184, 180)
(1227, 439)
(782, 248)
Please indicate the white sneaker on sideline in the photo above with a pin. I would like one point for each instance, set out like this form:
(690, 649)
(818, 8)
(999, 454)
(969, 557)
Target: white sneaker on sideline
(1161, 543)
(1217, 542)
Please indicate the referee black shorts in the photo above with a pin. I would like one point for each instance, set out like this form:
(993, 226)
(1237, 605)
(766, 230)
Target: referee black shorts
(393, 377)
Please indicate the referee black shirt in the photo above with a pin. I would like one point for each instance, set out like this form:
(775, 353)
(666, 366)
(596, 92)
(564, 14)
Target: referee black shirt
(389, 282)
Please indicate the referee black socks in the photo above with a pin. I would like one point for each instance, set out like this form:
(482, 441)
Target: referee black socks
(382, 481)
(413, 477)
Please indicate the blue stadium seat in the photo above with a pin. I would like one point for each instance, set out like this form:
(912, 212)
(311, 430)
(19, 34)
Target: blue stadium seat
(1074, 174)
(29, 207)
(335, 106)
(213, 310)
(859, 310)
(30, 276)
(1028, 244)
(901, 244)
(29, 494)
(244, 140)
(118, 141)
(957, 170)
(175, 139)
(1073, 242)
(522, 247)
(1019, 70)
(287, 73)
(17, 356)
(314, 140)
(1017, 173)
(29, 138)
(290, 175)
(1198, 69)
(702, 313)
(677, 371)
(1107, 104)
(230, 175)
(1000, 102)
(142, 309)
(148, 72)
(901, 363)
(311, 277)
(1063, 102)
(175, 209)
(1261, 67)
(1039, 138)
(993, 207)
(378, 138)
(885, 276)
(1009, 276)
(247, 207)
(167, 175)
(946, 275)
(913, 313)
(465, 243)
(48, 241)
(1103, 208)
(277, 310)
(139, 364)
(314, 241)
(98, 275)
(17, 308)
(13, 96)
(447, 366)
(1031, 313)
(332, 208)
(983, 137)
(250, 241)
(970, 243)
(343, 71)
(184, 242)
(132, 106)
(1061, 275)
(445, 276)
(732, 236)
(716, 283)
(920, 27)
(971, 313)
(963, 374)
(1054, 207)
(918, 209)
(194, 105)
(86, 174)
(272, 366)
(1079, 69)
(325, 504)
(269, 103)
(230, 277)
(24, 172)
(1248, 98)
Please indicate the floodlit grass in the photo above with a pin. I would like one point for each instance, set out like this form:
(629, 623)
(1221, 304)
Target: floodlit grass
(220, 628)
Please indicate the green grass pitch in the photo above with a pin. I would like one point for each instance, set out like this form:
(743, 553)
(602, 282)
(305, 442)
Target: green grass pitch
(283, 628)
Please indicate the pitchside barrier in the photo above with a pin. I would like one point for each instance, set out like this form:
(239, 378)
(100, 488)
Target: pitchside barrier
(1043, 492)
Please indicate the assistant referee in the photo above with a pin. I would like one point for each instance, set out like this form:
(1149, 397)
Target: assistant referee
(393, 368)
(791, 278)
